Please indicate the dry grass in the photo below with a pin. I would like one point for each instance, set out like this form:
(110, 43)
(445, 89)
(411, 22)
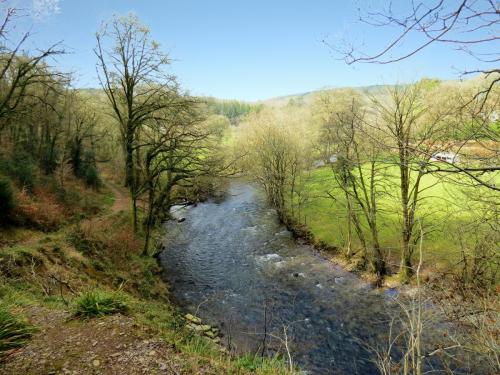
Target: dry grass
(42, 212)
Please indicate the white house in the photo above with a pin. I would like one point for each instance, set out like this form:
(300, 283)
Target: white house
(448, 157)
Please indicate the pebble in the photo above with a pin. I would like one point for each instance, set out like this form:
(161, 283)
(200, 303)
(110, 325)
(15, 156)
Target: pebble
(96, 363)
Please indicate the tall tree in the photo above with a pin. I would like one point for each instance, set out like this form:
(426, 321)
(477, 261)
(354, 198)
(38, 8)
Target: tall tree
(410, 133)
(132, 72)
(469, 27)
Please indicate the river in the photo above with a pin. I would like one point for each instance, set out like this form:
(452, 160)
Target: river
(232, 263)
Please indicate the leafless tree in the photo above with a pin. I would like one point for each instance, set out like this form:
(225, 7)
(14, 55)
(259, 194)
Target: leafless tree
(19, 69)
(133, 73)
(470, 26)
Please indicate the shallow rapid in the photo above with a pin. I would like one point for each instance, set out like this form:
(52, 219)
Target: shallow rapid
(232, 263)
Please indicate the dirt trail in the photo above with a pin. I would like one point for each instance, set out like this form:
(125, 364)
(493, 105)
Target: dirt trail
(121, 202)
(109, 345)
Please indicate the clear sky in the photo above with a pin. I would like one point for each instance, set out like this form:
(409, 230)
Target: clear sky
(247, 50)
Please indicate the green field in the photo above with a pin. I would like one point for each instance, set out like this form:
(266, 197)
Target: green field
(445, 211)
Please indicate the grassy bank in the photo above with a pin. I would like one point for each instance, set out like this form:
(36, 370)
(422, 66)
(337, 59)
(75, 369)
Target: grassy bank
(446, 212)
(91, 303)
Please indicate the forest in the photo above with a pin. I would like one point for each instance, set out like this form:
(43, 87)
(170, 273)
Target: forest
(397, 185)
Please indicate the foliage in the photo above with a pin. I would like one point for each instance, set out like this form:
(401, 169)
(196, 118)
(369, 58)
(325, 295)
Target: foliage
(40, 210)
(109, 236)
(234, 110)
(91, 177)
(262, 365)
(22, 167)
(6, 199)
(95, 303)
(13, 332)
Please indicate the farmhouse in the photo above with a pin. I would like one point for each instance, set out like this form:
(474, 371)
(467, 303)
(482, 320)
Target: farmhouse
(448, 157)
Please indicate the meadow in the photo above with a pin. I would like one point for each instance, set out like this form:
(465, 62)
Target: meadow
(446, 212)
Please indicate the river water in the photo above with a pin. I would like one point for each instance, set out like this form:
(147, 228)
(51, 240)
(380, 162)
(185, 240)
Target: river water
(233, 264)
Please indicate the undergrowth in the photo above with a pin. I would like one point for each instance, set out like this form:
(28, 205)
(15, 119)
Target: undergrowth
(13, 332)
(95, 303)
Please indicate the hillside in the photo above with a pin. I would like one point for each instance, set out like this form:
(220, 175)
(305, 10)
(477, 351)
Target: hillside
(48, 278)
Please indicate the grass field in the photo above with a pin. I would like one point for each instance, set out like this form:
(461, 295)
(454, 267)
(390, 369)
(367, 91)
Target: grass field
(446, 213)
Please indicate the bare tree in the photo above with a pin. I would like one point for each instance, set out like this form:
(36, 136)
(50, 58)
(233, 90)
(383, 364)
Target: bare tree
(469, 26)
(19, 70)
(406, 130)
(276, 157)
(177, 147)
(357, 171)
(132, 72)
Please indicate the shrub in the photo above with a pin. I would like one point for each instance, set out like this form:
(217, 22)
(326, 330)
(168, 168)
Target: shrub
(91, 177)
(13, 332)
(6, 199)
(110, 236)
(43, 213)
(99, 303)
(22, 168)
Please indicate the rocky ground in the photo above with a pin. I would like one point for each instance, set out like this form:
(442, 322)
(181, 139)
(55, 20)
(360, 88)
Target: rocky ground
(109, 345)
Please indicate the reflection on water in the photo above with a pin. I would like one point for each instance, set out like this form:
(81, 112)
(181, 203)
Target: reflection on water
(234, 265)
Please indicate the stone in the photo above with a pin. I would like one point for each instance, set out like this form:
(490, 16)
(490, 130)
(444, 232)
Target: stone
(198, 328)
(182, 219)
(193, 319)
(205, 328)
(152, 353)
(96, 363)
(211, 334)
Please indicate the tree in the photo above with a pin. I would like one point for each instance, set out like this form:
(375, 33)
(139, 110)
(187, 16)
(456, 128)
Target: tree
(276, 154)
(132, 72)
(177, 147)
(410, 133)
(19, 70)
(466, 25)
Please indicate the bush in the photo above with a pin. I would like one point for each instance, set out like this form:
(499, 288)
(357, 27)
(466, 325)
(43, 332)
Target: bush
(99, 303)
(6, 199)
(91, 177)
(111, 236)
(13, 332)
(43, 213)
(22, 168)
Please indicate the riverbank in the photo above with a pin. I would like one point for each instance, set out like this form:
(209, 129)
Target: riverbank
(233, 264)
(45, 275)
(334, 255)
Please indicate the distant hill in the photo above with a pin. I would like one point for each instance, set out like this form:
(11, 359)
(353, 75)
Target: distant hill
(307, 97)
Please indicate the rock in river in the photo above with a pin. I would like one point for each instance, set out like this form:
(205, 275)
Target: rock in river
(192, 319)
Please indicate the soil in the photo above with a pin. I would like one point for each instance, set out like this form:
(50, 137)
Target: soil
(121, 202)
(109, 345)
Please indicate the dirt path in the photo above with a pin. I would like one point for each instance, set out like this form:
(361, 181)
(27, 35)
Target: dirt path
(121, 202)
(109, 345)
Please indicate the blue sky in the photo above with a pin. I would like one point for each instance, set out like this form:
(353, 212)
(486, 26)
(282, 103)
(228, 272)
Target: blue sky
(245, 50)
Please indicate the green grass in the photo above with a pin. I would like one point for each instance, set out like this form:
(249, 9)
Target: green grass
(262, 365)
(444, 210)
(97, 303)
(14, 332)
(30, 256)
